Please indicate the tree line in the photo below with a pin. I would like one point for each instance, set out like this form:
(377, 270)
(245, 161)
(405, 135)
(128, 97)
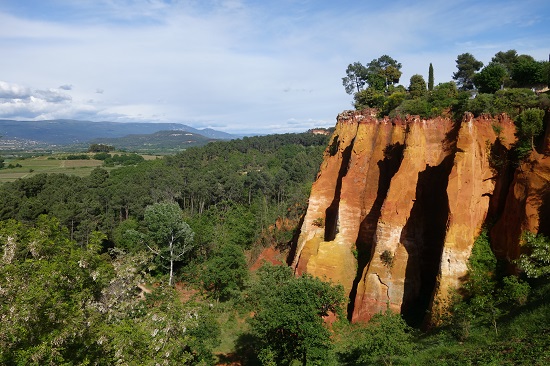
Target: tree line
(509, 83)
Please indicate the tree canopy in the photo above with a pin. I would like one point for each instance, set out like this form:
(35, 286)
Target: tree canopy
(288, 321)
(168, 236)
(356, 78)
(536, 261)
(417, 86)
(383, 72)
(491, 78)
(467, 66)
(379, 75)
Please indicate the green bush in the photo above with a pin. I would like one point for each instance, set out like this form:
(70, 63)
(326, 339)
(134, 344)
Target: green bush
(386, 339)
(102, 156)
(369, 98)
(225, 272)
(536, 262)
(77, 157)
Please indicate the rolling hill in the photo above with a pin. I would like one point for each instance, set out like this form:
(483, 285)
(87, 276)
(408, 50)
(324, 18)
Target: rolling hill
(63, 133)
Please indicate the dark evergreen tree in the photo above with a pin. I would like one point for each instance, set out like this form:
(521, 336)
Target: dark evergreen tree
(431, 78)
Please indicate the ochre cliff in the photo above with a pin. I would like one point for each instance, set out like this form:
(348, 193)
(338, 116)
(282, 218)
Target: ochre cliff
(398, 203)
(527, 203)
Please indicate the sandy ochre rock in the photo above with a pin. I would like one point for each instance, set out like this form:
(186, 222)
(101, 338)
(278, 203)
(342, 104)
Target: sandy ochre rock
(398, 203)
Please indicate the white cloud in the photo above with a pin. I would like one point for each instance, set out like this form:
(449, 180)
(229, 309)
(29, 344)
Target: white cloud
(238, 65)
(21, 102)
(13, 91)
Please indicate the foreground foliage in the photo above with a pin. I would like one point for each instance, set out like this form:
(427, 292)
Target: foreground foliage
(76, 288)
(385, 340)
(62, 303)
(288, 316)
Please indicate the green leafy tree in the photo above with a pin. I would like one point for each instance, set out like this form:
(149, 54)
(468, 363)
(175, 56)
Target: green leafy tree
(482, 104)
(478, 303)
(168, 236)
(507, 60)
(491, 78)
(49, 284)
(100, 148)
(124, 236)
(369, 98)
(486, 296)
(444, 91)
(415, 107)
(513, 292)
(527, 72)
(386, 339)
(356, 78)
(513, 101)
(392, 102)
(536, 261)
(417, 86)
(443, 97)
(288, 319)
(530, 124)
(383, 72)
(162, 330)
(431, 78)
(467, 66)
(225, 272)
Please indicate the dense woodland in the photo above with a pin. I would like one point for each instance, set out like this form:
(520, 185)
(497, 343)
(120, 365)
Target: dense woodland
(149, 263)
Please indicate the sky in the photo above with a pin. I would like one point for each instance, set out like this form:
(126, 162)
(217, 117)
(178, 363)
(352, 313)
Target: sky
(239, 66)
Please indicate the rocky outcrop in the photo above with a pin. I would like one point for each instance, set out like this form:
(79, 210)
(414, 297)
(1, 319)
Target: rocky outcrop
(527, 203)
(397, 205)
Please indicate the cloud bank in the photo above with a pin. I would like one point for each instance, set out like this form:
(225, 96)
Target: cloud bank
(238, 66)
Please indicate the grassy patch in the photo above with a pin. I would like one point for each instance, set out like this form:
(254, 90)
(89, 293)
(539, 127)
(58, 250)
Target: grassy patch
(51, 164)
(41, 164)
(232, 326)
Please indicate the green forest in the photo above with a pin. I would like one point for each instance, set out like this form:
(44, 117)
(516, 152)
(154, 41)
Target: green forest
(149, 263)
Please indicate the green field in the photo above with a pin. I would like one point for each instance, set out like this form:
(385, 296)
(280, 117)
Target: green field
(50, 164)
(44, 164)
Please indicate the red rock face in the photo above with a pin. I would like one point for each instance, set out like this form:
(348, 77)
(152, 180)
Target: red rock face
(397, 206)
(527, 204)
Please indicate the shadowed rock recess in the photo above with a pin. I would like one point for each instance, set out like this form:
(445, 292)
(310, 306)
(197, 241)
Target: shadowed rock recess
(398, 203)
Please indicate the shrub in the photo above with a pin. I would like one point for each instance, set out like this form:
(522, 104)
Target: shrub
(385, 340)
(387, 258)
(320, 222)
(536, 262)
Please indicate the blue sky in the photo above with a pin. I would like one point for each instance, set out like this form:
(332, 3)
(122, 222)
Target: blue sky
(235, 65)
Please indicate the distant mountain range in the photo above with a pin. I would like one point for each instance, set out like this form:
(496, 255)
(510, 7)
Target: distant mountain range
(71, 132)
(159, 142)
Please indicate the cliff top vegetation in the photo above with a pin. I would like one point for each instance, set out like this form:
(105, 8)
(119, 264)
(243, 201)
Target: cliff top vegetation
(509, 83)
